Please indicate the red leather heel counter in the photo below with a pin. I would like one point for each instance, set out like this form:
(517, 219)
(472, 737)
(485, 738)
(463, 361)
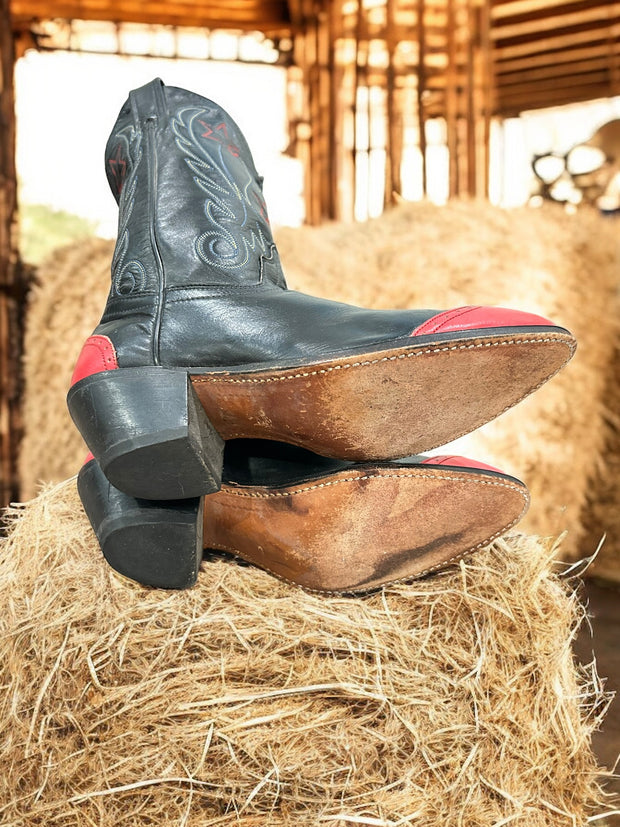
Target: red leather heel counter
(98, 353)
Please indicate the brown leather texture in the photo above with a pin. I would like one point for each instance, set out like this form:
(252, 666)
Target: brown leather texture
(356, 531)
(388, 404)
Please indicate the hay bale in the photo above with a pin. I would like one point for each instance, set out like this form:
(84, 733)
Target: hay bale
(559, 265)
(416, 255)
(602, 512)
(64, 306)
(245, 701)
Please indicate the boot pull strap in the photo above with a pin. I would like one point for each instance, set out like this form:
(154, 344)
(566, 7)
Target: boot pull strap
(149, 101)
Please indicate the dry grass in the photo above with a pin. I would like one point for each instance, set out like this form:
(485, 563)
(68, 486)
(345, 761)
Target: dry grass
(66, 304)
(602, 512)
(454, 701)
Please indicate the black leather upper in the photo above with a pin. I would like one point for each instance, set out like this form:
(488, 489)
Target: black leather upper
(196, 277)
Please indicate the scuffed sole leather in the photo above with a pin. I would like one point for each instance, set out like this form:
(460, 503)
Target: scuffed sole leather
(388, 404)
(348, 532)
(354, 532)
(158, 432)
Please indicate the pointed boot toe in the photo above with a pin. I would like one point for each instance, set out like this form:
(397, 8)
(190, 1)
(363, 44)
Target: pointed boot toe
(201, 340)
(326, 525)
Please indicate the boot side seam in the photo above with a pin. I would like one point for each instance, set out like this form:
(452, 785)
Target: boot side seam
(152, 167)
(209, 290)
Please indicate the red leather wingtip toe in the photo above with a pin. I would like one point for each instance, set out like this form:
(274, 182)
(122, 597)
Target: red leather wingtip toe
(455, 461)
(479, 318)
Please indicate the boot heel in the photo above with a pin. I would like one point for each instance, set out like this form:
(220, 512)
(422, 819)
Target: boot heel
(148, 432)
(154, 543)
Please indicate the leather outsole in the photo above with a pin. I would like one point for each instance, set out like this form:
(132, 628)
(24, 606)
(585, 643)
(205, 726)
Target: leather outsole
(385, 404)
(356, 531)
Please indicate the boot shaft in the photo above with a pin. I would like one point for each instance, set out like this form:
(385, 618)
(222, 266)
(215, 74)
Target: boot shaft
(191, 208)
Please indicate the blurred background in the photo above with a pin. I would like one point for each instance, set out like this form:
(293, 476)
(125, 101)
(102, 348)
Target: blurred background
(415, 153)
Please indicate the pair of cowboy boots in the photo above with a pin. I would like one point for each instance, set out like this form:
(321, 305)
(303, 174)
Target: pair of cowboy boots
(225, 411)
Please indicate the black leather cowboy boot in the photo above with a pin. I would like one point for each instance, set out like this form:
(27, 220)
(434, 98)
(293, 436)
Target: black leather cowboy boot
(327, 525)
(201, 340)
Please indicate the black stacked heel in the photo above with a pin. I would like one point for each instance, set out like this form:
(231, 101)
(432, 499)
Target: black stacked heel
(154, 543)
(148, 432)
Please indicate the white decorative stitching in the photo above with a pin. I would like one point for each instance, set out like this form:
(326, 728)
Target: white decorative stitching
(411, 475)
(220, 377)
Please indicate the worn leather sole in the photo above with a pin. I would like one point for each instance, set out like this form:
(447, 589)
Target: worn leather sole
(388, 404)
(349, 530)
(358, 530)
(158, 432)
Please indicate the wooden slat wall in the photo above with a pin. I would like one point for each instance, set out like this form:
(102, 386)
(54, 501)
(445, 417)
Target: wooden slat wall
(554, 52)
(11, 298)
(394, 66)
(575, 41)
(401, 63)
(261, 15)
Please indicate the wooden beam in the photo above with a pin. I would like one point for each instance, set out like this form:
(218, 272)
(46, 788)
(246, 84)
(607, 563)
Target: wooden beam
(564, 41)
(488, 93)
(554, 70)
(212, 15)
(602, 49)
(599, 78)
(501, 9)
(394, 124)
(452, 102)
(422, 45)
(11, 295)
(512, 105)
(548, 23)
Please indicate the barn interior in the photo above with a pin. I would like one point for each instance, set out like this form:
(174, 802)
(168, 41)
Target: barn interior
(430, 152)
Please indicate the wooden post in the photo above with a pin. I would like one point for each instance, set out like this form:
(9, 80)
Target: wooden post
(452, 100)
(393, 129)
(361, 55)
(421, 88)
(486, 82)
(471, 98)
(11, 292)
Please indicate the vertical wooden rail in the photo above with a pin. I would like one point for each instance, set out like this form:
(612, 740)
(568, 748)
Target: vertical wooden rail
(452, 113)
(10, 305)
(393, 140)
(334, 83)
(488, 85)
(315, 212)
(324, 120)
(343, 92)
(361, 79)
(421, 87)
(472, 36)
